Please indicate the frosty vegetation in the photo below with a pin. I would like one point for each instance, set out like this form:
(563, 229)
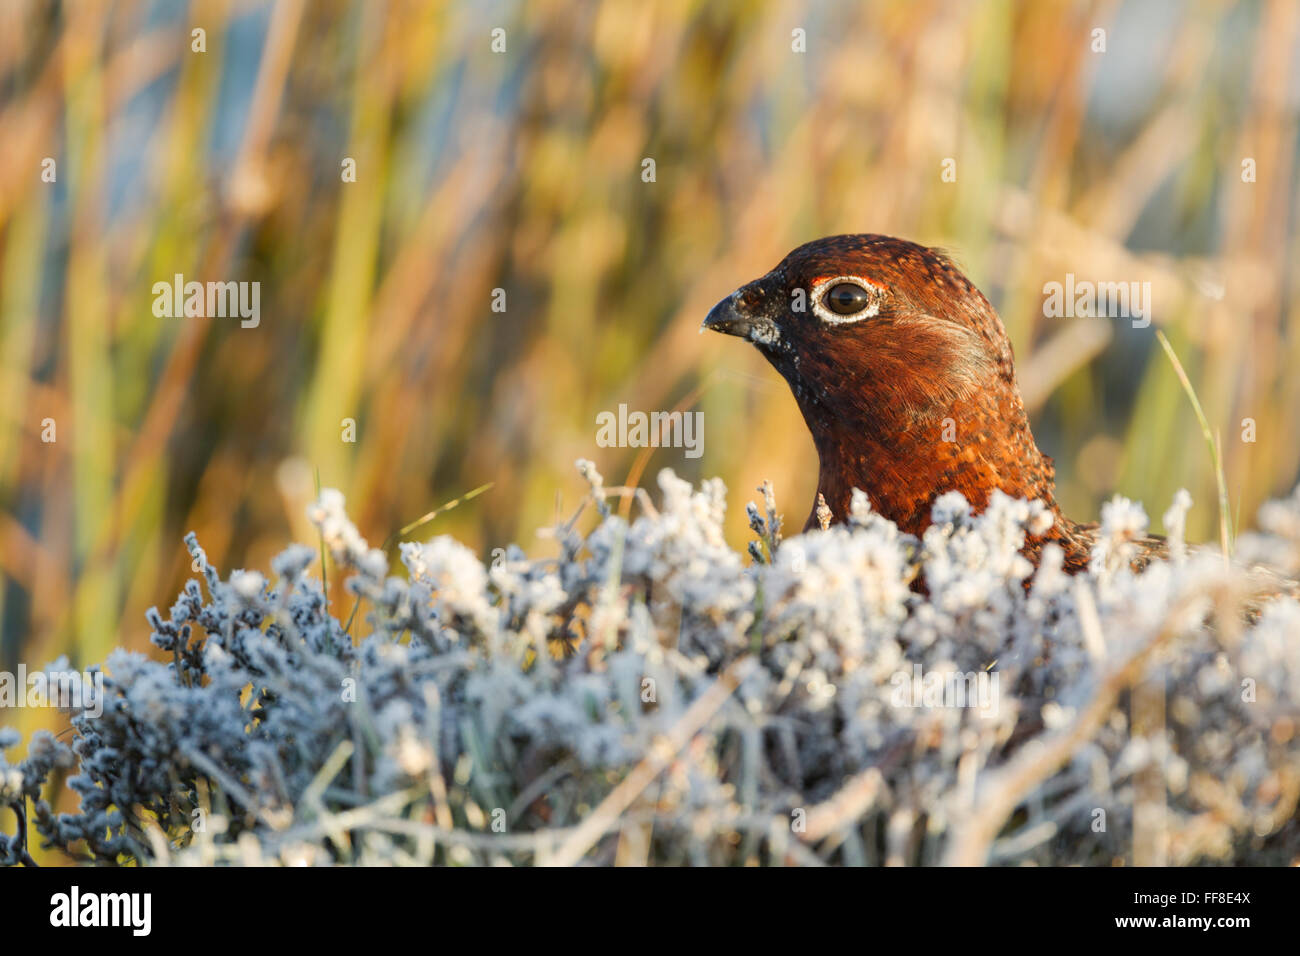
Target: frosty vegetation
(851, 696)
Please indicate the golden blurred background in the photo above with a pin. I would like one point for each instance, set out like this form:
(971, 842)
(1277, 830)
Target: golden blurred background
(521, 170)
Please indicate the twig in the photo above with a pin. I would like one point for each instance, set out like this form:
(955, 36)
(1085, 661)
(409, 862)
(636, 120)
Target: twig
(441, 509)
(324, 578)
(232, 787)
(1225, 536)
(848, 803)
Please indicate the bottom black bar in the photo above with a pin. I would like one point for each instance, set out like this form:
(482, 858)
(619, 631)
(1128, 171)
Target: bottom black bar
(338, 905)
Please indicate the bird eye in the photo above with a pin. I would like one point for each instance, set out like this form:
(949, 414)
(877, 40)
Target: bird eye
(846, 298)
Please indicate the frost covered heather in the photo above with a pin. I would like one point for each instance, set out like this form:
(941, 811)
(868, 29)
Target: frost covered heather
(651, 695)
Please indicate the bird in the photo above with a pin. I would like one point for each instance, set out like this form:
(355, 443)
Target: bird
(906, 380)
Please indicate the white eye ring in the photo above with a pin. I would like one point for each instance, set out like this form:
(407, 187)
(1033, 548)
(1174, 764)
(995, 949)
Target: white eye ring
(874, 293)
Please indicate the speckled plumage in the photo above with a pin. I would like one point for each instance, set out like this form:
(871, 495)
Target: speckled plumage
(915, 398)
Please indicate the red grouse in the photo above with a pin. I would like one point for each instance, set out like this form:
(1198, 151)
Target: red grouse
(905, 378)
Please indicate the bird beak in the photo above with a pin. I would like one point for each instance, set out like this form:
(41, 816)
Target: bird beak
(731, 318)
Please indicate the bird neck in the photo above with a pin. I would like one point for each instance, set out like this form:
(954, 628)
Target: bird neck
(904, 458)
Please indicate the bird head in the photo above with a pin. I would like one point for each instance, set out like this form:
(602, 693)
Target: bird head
(869, 327)
(902, 369)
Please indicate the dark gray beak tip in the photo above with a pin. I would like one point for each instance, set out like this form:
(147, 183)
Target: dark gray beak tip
(731, 318)
(725, 318)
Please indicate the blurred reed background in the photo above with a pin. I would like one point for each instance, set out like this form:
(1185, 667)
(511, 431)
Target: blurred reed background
(522, 171)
